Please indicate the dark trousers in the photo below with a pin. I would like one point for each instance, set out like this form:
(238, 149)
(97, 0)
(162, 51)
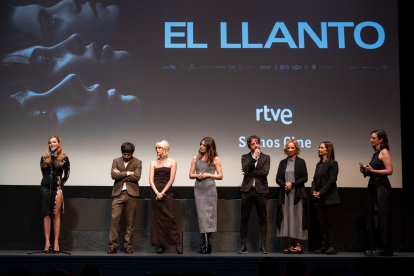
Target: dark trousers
(379, 215)
(259, 200)
(327, 220)
(118, 204)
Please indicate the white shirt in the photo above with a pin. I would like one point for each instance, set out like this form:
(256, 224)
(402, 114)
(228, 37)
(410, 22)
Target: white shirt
(124, 187)
(257, 159)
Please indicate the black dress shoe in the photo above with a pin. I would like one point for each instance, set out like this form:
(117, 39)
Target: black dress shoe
(243, 249)
(372, 253)
(111, 250)
(331, 251)
(178, 249)
(321, 250)
(263, 249)
(161, 249)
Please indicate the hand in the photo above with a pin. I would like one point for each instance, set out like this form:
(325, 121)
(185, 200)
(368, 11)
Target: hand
(316, 194)
(115, 170)
(206, 175)
(368, 168)
(288, 186)
(160, 196)
(243, 172)
(131, 173)
(256, 153)
(200, 176)
(361, 169)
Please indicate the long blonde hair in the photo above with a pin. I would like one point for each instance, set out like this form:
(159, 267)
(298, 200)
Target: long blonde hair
(60, 156)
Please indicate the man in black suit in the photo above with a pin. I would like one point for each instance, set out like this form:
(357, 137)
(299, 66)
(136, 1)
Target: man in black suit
(255, 167)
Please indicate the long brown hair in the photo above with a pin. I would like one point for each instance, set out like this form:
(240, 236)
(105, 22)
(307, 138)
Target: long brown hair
(331, 153)
(211, 152)
(60, 156)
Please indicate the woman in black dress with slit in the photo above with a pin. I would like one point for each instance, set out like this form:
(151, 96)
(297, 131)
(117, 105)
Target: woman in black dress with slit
(379, 196)
(55, 166)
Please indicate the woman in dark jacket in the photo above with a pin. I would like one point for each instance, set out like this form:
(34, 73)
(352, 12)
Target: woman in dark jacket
(292, 217)
(326, 196)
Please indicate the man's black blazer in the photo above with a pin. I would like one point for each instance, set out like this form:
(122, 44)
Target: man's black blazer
(325, 183)
(255, 172)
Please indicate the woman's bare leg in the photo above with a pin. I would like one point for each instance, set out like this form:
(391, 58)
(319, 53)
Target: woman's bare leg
(56, 220)
(46, 227)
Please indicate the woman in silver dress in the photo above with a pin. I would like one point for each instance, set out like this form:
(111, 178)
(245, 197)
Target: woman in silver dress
(202, 170)
(292, 213)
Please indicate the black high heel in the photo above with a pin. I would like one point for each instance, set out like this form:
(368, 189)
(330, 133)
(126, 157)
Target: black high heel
(207, 248)
(297, 251)
(203, 245)
(288, 250)
(48, 250)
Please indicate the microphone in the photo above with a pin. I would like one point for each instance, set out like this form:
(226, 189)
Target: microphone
(363, 170)
(53, 152)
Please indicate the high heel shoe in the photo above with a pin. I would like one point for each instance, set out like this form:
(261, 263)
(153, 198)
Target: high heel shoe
(207, 245)
(207, 250)
(288, 250)
(161, 249)
(203, 245)
(202, 248)
(178, 249)
(56, 251)
(297, 250)
(48, 249)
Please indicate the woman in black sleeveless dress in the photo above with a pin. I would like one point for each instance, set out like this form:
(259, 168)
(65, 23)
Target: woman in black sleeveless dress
(379, 196)
(54, 164)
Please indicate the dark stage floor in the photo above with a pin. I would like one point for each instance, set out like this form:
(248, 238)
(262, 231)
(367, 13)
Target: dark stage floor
(171, 263)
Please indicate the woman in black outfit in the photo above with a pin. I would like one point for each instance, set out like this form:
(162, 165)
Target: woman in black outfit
(379, 196)
(326, 196)
(292, 217)
(54, 162)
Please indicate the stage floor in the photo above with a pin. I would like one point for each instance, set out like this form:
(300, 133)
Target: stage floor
(170, 263)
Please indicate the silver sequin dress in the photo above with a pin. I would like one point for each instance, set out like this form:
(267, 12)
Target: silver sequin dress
(205, 194)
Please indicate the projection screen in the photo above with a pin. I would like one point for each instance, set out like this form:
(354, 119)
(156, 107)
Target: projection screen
(101, 73)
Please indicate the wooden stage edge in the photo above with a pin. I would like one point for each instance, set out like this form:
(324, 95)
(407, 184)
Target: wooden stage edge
(187, 264)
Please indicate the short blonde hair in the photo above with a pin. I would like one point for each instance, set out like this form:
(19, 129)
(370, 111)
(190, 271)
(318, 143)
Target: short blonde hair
(164, 145)
(293, 141)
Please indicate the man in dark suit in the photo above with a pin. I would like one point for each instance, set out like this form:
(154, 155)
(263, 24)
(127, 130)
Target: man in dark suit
(255, 167)
(126, 172)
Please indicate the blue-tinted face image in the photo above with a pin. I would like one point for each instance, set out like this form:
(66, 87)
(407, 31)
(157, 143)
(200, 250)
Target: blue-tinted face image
(71, 101)
(52, 25)
(72, 56)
